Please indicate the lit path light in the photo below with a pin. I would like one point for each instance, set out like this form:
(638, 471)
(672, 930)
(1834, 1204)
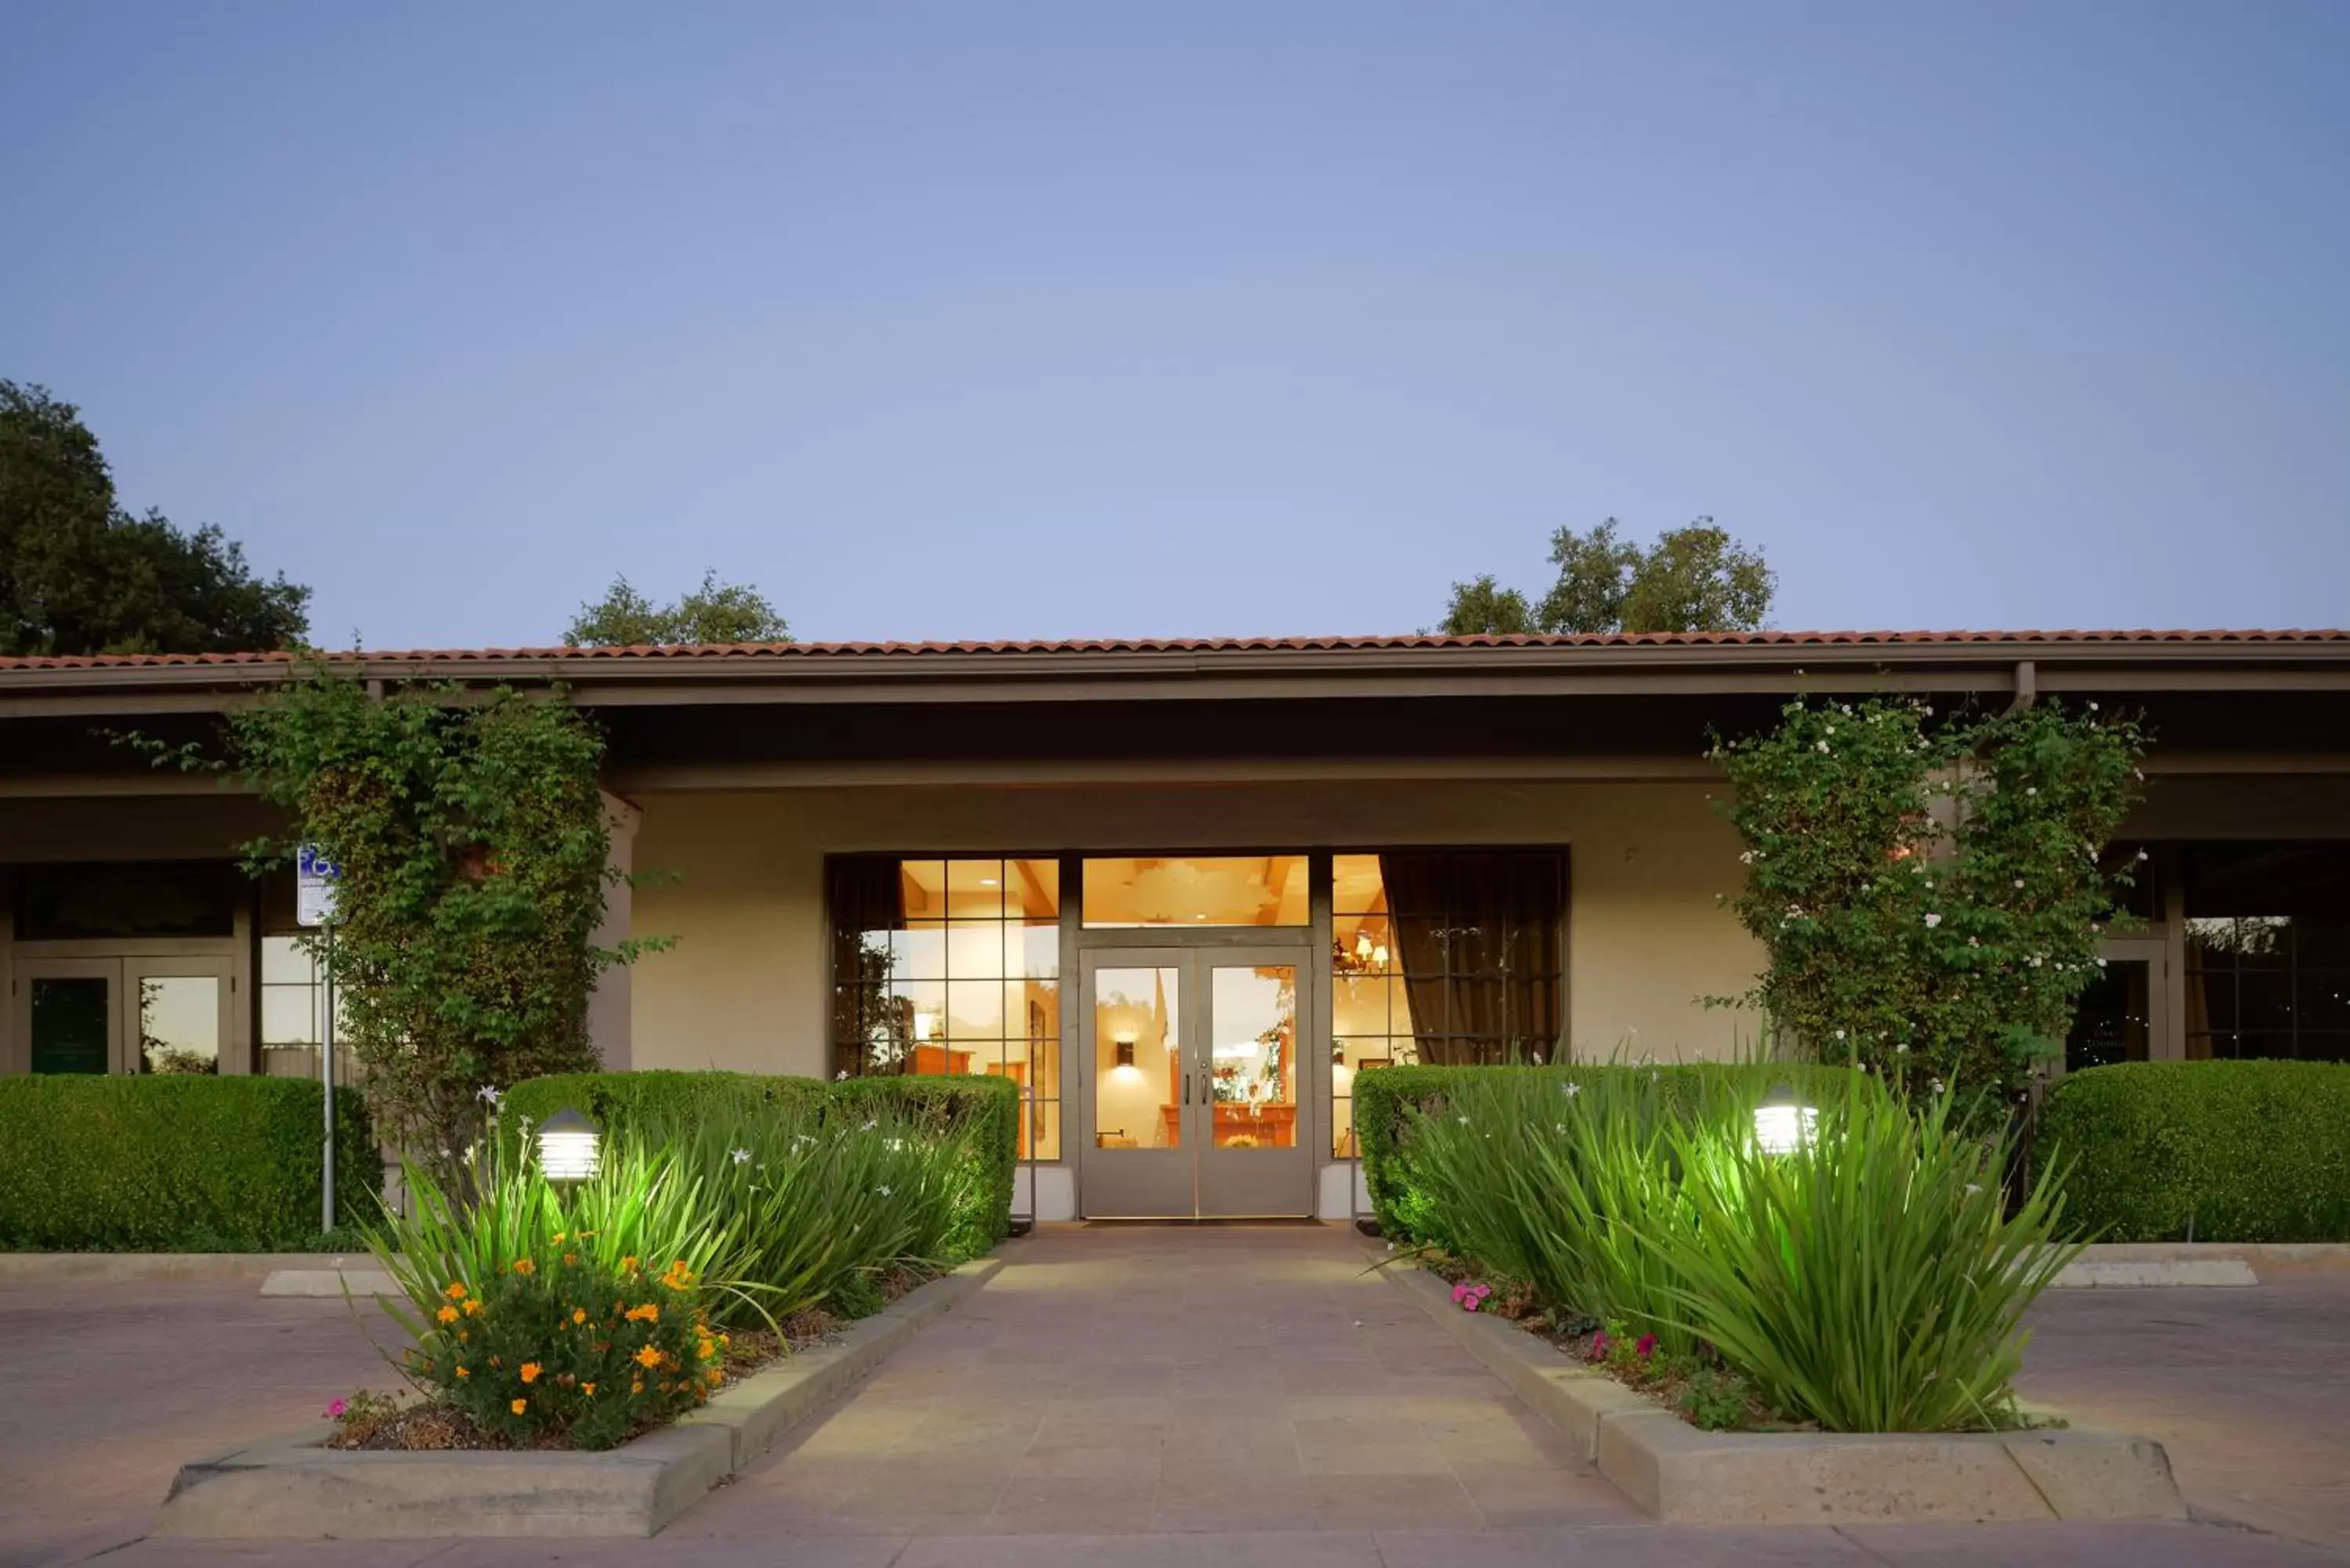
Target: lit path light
(1783, 1124)
(568, 1146)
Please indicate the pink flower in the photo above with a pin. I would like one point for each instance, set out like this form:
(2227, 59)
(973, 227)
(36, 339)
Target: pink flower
(1600, 1346)
(1646, 1347)
(335, 1406)
(1466, 1296)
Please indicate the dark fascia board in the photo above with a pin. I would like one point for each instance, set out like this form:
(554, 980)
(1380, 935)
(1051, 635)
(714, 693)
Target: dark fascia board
(1272, 674)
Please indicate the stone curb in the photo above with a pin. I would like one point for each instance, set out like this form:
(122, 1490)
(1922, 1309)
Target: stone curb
(107, 1268)
(1677, 1472)
(2114, 1274)
(357, 1279)
(290, 1487)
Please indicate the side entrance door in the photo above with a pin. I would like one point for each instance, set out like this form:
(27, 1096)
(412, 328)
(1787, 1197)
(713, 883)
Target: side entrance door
(1195, 1083)
(124, 1015)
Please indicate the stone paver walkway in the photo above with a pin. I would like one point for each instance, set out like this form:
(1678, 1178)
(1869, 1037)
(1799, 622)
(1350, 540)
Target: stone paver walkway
(2248, 1390)
(1149, 1398)
(1151, 1379)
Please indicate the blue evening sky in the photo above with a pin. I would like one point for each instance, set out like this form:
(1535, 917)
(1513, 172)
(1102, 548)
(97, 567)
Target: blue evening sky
(1041, 319)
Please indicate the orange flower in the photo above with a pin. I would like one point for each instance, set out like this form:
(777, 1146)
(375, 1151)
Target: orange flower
(525, 1266)
(578, 1314)
(447, 1314)
(571, 1258)
(557, 1238)
(464, 1372)
(628, 1264)
(530, 1371)
(456, 1291)
(637, 1386)
(519, 1405)
(474, 1309)
(588, 1389)
(716, 1377)
(649, 1357)
(648, 1312)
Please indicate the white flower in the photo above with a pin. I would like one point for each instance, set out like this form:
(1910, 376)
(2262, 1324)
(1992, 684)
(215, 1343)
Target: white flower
(1938, 1085)
(1746, 858)
(1464, 1121)
(1927, 710)
(742, 1157)
(1973, 1187)
(1575, 1088)
(841, 1076)
(1559, 1127)
(2092, 707)
(1821, 746)
(1839, 1033)
(1902, 1049)
(1933, 921)
(2035, 961)
(2031, 789)
(488, 1094)
(1831, 729)
(2142, 854)
(2018, 881)
(2101, 963)
(882, 1190)
(870, 1125)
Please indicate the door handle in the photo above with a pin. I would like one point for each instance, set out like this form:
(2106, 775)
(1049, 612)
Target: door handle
(1186, 1088)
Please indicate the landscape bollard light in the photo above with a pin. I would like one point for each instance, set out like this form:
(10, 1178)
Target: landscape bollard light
(1783, 1124)
(568, 1146)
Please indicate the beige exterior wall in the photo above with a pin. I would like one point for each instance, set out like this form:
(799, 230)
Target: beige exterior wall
(745, 986)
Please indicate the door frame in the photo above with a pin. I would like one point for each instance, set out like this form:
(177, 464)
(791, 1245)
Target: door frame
(1175, 1191)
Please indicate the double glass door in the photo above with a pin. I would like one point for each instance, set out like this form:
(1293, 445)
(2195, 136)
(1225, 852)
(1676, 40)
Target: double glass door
(124, 1015)
(1196, 1084)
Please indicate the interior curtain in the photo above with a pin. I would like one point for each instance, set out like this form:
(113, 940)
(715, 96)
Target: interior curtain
(1477, 936)
(867, 894)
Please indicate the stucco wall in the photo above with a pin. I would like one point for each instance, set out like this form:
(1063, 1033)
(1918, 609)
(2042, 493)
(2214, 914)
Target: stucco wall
(746, 985)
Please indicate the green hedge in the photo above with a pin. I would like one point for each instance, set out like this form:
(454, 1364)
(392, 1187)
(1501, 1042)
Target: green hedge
(617, 1100)
(1382, 1096)
(175, 1164)
(2229, 1152)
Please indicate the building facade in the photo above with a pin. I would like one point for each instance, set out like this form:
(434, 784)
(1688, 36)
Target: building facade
(1184, 894)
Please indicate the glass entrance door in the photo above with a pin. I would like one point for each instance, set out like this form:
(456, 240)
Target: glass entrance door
(2123, 1011)
(1194, 1083)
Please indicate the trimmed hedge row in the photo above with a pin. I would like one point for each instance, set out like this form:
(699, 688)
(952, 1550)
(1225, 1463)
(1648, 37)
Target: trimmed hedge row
(1382, 1098)
(175, 1164)
(2223, 1151)
(617, 1100)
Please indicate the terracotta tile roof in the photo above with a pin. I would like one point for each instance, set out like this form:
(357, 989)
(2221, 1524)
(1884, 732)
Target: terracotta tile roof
(800, 651)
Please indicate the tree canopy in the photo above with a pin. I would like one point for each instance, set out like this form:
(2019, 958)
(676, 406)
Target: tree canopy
(80, 574)
(715, 612)
(1693, 578)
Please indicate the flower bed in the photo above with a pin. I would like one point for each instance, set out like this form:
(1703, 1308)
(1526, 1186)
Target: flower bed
(1868, 1279)
(579, 1315)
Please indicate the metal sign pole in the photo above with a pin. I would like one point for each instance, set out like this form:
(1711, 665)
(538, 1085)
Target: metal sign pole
(327, 1076)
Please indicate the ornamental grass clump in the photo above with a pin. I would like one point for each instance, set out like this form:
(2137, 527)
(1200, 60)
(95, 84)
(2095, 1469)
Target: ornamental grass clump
(1561, 1181)
(1873, 1279)
(821, 1204)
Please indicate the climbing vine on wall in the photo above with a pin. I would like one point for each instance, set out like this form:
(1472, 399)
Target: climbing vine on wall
(1929, 895)
(472, 842)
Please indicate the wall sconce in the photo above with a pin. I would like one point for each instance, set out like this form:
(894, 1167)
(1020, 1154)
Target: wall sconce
(1783, 1124)
(568, 1146)
(1125, 1050)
